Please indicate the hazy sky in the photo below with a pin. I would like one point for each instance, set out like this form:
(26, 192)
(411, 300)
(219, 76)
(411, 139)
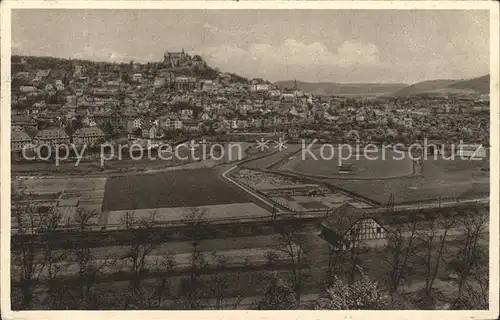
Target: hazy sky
(310, 45)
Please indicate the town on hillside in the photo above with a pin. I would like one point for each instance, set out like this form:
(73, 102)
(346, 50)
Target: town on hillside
(83, 102)
(182, 183)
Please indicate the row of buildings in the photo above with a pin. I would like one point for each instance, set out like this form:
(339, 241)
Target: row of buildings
(56, 136)
(182, 95)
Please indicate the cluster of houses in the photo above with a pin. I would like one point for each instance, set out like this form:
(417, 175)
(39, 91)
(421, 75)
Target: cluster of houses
(55, 136)
(86, 104)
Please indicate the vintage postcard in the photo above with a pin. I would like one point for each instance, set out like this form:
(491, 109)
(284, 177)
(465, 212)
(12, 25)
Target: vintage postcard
(249, 156)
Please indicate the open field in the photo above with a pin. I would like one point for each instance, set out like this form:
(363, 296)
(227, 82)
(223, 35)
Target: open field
(458, 168)
(458, 180)
(181, 247)
(183, 188)
(414, 190)
(255, 256)
(327, 163)
(441, 178)
(219, 212)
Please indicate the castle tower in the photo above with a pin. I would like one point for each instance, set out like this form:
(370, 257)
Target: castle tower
(166, 57)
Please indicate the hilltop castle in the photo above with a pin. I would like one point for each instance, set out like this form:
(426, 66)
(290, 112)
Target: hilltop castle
(182, 59)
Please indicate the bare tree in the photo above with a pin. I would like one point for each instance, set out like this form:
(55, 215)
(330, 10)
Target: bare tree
(272, 258)
(82, 252)
(290, 243)
(336, 256)
(434, 236)
(52, 259)
(141, 244)
(346, 246)
(164, 266)
(196, 221)
(30, 258)
(401, 245)
(88, 266)
(481, 295)
(475, 294)
(220, 284)
(472, 224)
(354, 249)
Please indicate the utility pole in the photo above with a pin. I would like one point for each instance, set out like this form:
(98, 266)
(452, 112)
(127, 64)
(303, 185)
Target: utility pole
(390, 203)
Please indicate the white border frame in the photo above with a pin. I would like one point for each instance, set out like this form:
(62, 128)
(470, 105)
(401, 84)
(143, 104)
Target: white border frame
(6, 6)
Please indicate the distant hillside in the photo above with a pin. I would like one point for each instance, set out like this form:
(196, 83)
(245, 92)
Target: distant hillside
(58, 66)
(330, 88)
(424, 86)
(478, 85)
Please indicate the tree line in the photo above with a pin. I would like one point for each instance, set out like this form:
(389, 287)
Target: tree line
(143, 275)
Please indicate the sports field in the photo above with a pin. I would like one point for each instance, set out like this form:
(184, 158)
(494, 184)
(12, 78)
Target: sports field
(453, 179)
(456, 178)
(326, 162)
(172, 189)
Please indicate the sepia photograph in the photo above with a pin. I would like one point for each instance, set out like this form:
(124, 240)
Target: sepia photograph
(232, 157)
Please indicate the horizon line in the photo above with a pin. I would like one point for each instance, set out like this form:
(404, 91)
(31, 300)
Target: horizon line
(274, 82)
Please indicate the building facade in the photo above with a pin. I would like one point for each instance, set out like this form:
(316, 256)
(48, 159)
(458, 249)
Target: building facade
(347, 226)
(174, 59)
(18, 140)
(52, 137)
(88, 136)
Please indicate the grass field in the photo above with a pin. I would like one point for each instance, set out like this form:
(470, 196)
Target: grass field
(327, 163)
(441, 178)
(459, 178)
(183, 188)
(259, 244)
(220, 212)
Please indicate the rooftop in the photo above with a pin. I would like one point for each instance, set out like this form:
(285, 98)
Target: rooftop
(88, 131)
(18, 135)
(52, 133)
(343, 217)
